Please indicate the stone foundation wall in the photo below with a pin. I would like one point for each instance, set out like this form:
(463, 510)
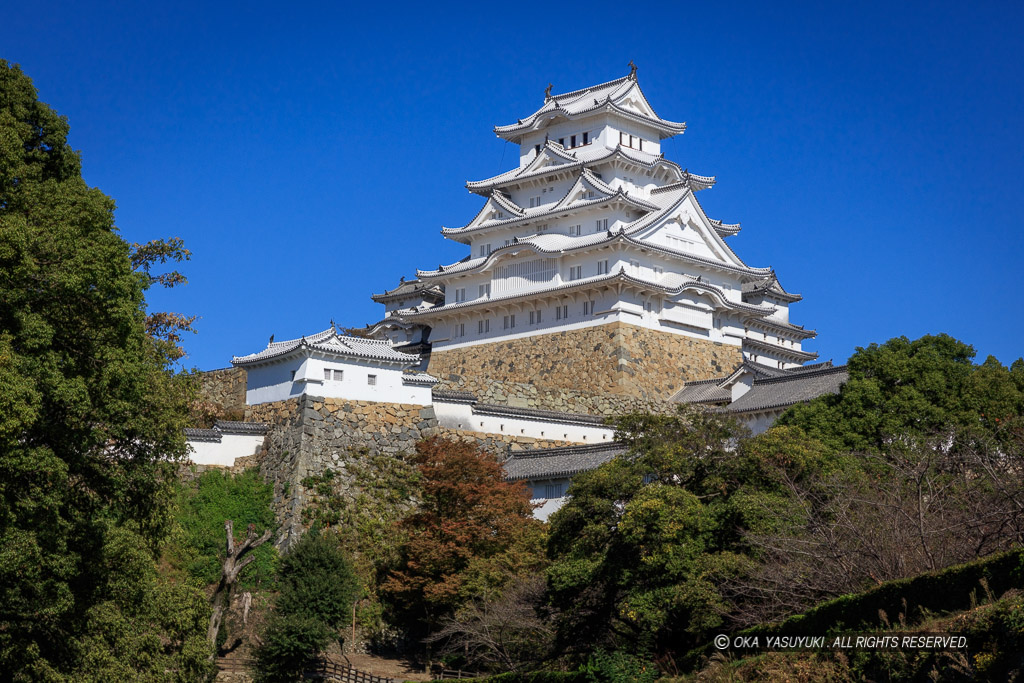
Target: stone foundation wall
(225, 389)
(600, 370)
(310, 435)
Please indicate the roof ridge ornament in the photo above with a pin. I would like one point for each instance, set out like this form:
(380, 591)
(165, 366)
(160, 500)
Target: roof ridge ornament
(632, 70)
(547, 93)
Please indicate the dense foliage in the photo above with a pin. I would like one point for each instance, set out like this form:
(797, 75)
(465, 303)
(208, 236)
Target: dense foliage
(470, 533)
(200, 511)
(906, 389)
(318, 587)
(918, 464)
(91, 418)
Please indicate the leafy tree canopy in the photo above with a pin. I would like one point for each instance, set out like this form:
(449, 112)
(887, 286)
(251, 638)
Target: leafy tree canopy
(641, 548)
(472, 531)
(318, 587)
(918, 388)
(91, 417)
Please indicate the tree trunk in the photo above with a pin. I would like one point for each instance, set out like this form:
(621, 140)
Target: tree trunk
(235, 561)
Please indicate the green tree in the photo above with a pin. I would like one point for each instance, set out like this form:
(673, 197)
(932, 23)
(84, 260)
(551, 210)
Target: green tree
(641, 550)
(91, 417)
(911, 389)
(318, 588)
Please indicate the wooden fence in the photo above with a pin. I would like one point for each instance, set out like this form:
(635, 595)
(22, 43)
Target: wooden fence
(322, 669)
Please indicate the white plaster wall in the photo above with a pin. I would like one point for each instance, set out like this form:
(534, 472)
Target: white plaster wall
(231, 446)
(461, 416)
(273, 382)
(758, 423)
(546, 507)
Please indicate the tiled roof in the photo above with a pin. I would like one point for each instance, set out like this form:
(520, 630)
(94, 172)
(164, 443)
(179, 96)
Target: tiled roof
(605, 196)
(222, 427)
(770, 286)
(592, 155)
(207, 435)
(670, 283)
(535, 414)
(788, 329)
(779, 392)
(548, 463)
(552, 243)
(330, 342)
(446, 396)
(235, 427)
(409, 288)
(705, 391)
(778, 349)
(421, 378)
(605, 96)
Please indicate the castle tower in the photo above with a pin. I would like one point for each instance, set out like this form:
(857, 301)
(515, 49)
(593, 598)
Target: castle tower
(594, 281)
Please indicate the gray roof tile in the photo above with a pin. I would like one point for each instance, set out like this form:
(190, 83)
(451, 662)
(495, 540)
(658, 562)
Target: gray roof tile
(548, 463)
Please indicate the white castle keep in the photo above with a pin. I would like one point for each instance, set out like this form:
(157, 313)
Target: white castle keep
(595, 226)
(594, 284)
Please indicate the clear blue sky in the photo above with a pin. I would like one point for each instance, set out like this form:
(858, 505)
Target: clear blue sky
(309, 155)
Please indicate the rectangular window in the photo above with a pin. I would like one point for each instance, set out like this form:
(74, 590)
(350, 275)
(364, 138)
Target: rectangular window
(574, 230)
(460, 294)
(553, 490)
(658, 270)
(586, 138)
(602, 267)
(600, 225)
(622, 138)
(338, 375)
(640, 144)
(535, 318)
(371, 380)
(588, 308)
(561, 141)
(327, 373)
(533, 202)
(572, 141)
(485, 250)
(509, 321)
(575, 272)
(483, 326)
(484, 290)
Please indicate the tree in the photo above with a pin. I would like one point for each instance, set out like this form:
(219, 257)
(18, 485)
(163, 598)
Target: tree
(318, 588)
(906, 389)
(236, 559)
(470, 531)
(91, 417)
(643, 547)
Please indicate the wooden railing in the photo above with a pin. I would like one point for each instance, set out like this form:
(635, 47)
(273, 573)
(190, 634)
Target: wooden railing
(450, 674)
(323, 669)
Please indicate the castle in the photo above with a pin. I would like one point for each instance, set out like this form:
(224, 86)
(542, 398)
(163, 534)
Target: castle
(594, 284)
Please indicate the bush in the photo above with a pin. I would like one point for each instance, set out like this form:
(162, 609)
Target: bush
(317, 580)
(290, 643)
(318, 588)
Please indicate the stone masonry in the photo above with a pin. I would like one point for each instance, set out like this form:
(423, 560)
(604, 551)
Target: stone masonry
(225, 389)
(309, 435)
(600, 370)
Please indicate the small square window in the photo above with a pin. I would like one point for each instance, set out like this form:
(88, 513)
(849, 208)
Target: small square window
(338, 375)
(327, 374)
(371, 380)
